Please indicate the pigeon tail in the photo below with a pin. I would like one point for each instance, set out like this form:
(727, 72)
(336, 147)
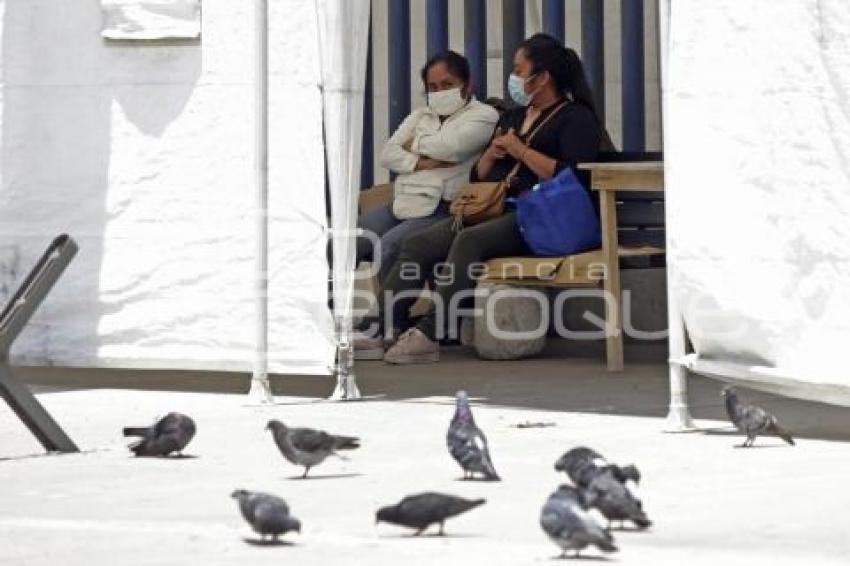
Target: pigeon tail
(136, 431)
(489, 471)
(346, 442)
(642, 521)
(780, 432)
(491, 475)
(607, 545)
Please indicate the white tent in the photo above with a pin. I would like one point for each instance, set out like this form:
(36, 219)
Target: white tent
(145, 154)
(757, 152)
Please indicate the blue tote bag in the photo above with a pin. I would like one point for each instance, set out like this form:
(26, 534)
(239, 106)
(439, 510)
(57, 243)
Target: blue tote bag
(558, 218)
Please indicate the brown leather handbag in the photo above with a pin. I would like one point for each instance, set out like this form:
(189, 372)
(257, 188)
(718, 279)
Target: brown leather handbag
(485, 200)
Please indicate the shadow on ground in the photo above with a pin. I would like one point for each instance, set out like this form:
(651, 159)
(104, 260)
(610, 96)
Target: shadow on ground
(564, 378)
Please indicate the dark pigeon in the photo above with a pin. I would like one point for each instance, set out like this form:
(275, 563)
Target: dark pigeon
(307, 447)
(752, 420)
(582, 464)
(425, 509)
(169, 434)
(267, 514)
(569, 525)
(614, 500)
(467, 444)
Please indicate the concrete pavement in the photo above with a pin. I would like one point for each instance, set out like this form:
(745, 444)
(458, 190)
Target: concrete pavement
(711, 503)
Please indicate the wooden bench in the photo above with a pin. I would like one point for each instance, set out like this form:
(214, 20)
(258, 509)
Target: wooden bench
(630, 188)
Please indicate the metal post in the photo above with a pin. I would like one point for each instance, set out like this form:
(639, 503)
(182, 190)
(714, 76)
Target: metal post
(513, 32)
(367, 161)
(438, 26)
(634, 129)
(553, 19)
(678, 416)
(475, 43)
(593, 50)
(14, 317)
(398, 12)
(260, 391)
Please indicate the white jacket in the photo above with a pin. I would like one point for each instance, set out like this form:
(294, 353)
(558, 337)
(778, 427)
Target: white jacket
(459, 139)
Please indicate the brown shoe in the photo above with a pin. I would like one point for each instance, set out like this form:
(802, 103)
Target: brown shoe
(413, 347)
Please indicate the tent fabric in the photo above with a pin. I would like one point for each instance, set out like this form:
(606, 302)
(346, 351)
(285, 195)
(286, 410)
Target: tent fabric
(151, 19)
(145, 156)
(757, 152)
(343, 37)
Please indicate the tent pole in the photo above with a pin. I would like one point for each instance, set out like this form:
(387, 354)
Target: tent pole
(679, 416)
(260, 391)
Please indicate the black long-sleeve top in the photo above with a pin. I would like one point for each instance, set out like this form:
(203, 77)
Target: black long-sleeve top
(570, 137)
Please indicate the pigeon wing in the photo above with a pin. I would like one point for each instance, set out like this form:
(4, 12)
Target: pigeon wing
(421, 509)
(754, 419)
(309, 440)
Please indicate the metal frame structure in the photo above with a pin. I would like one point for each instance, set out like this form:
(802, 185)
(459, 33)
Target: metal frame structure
(13, 319)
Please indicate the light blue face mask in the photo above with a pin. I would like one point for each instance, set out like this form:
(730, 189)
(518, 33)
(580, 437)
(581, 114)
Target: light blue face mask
(516, 88)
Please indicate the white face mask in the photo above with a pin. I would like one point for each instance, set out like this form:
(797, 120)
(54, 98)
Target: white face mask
(446, 102)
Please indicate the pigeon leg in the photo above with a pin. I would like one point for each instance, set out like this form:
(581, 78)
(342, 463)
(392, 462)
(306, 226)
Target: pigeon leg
(306, 471)
(441, 533)
(419, 532)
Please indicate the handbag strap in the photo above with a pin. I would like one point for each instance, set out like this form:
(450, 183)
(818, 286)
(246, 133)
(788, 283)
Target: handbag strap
(545, 120)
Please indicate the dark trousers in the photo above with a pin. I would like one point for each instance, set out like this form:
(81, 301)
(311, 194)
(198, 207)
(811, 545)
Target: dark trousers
(440, 244)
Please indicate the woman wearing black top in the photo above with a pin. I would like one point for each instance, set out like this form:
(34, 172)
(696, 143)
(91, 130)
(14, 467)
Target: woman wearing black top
(546, 74)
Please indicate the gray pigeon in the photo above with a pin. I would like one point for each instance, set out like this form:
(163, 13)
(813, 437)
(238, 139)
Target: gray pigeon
(570, 526)
(267, 514)
(467, 444)
(614, 500)
(307, 447)
(425, 509)
(169, 434)
(752, 420)
(582, 464)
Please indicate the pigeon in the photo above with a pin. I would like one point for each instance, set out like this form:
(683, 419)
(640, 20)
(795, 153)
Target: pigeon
(267, 514)
(307, 447)
(467, 444)
(424, 509)
(169, 434)
(614, 500)
(582, 464)
(752, 420)
(569, 525)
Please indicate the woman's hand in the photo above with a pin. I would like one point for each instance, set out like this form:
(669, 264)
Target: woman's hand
(495, 151)
(509, 143)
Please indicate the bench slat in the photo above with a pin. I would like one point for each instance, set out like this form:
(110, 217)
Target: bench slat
(641, 237)
(640, 213)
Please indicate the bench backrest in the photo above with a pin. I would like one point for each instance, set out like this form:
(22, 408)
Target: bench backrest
(640, 215)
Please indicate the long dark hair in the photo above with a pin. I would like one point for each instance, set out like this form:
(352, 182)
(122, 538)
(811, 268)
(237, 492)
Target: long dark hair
(564, 66)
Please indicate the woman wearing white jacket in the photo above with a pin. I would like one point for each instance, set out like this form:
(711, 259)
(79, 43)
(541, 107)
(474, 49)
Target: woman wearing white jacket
(432, 153)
